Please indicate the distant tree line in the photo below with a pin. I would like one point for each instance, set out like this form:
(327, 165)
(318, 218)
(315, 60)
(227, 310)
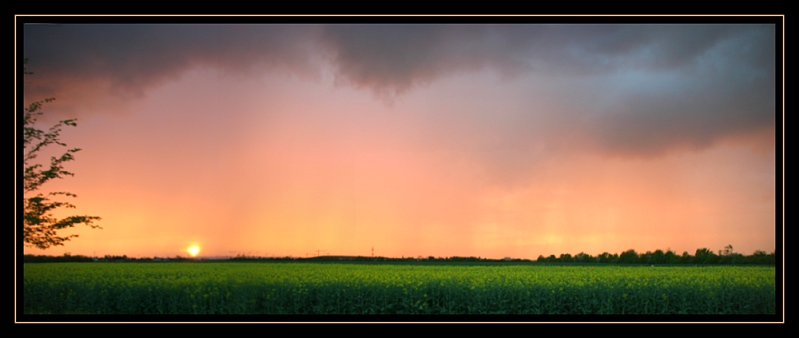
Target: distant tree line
(107, 258)
(701, 256)
(658, 257)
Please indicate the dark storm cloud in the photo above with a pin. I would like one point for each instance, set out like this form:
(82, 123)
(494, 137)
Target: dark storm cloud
(632, 90)
(391, 59)
(132, 57)
(724, 87)
(395, 57)
(662, 87)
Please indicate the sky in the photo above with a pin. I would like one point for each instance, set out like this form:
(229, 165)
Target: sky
(485, 140)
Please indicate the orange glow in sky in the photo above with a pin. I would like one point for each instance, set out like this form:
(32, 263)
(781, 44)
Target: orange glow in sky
(415, 141)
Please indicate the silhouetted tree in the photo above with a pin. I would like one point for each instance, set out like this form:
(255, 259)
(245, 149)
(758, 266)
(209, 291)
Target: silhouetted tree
(629, 256)
(645, 258)
(658, 257)
(686, 258)
(705, 256)
(40, 226)
(671, 258)
(582, 257)
(760, 257)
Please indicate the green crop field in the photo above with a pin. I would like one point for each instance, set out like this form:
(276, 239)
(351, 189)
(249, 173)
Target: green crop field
(349, 288)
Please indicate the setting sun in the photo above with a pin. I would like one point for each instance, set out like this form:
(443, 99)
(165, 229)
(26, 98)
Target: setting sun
(194, 250)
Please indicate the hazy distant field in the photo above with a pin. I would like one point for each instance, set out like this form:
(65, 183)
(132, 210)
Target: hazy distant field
(338, 288)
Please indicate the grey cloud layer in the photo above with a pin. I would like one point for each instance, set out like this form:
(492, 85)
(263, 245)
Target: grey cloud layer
(133, 57)
(638, 90)
(724, 87)
(661, 86)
